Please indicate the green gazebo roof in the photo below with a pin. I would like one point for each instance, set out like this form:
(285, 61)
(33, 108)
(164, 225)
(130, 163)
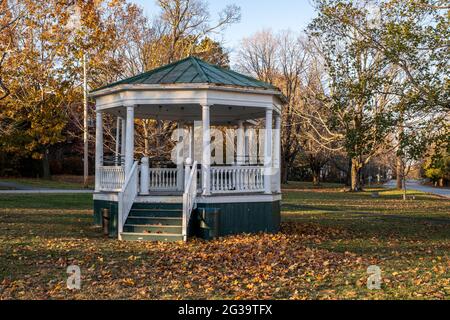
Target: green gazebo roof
(193, 70)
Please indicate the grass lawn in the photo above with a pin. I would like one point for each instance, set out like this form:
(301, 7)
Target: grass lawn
(58, 182)
(328, 240)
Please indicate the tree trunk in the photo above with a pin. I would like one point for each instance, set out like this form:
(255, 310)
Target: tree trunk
(284, 172)
(404, 186)
(316, 178)
(45, 166)
(348, 178)
(399, 172)
(355, 175)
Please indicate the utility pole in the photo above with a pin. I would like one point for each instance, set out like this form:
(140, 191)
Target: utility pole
(85, 126)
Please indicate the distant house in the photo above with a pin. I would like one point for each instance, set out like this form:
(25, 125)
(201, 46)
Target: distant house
(193, 197)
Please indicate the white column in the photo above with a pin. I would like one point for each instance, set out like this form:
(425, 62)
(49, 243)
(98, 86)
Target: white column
(192, 143)
(277, 152)
(145, 177)
(247, 141)
(240, 144)
(98, 149)
(268, 152)
(116, 160)
(123, 138)
(180, 155)
(129, 141)
(187, 172)
(206, 151)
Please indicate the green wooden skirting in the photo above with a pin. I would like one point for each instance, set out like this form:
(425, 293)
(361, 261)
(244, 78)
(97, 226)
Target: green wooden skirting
(112, 206)
(233, 218)
(236, 218)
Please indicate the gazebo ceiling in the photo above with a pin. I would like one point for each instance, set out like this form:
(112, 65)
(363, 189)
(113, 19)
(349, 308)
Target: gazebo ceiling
(192, 71)
(219, 114)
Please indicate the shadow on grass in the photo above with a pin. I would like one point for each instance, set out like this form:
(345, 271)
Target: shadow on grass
(363, 225)
(46, 201)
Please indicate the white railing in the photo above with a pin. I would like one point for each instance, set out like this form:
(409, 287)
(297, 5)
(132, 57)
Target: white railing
(237, 179)
(189, 196)
(163, 179)
(111, 178)
(127, 196)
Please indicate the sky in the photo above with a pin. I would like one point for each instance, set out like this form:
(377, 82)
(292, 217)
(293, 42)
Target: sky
(256, 15)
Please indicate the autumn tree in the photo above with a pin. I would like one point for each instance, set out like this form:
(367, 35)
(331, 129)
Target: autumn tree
(411, 38)
(11, 12)
(361, 86)
(436, 165)
(33, 114)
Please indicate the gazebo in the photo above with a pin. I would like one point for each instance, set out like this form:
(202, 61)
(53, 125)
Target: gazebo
(195, 196)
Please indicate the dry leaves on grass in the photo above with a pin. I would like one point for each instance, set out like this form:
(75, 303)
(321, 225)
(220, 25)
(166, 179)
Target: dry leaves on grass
(241, 267)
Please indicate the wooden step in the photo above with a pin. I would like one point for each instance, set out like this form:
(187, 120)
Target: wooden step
(151, 237)
(152, 229)
(158, 206)
(163, 221)
(159, 213)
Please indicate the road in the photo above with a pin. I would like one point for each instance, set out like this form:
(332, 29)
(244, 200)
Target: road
(415, 185)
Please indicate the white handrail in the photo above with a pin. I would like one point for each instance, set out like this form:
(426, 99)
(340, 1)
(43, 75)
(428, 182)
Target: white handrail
(127, 196)
(189, 197)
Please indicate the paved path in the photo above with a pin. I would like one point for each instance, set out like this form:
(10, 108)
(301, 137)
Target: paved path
(415, 185)
(46, 191)
(16, 186)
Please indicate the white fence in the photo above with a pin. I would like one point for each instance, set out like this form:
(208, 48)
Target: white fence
(163, 179)
(111, 178)
(127, 196)
(223, 179)
(237, 179)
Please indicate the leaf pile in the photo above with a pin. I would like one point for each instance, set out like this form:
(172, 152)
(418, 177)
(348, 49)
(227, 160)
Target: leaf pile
(259, 266)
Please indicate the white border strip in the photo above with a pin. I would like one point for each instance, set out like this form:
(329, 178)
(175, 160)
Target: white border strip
(208, 200)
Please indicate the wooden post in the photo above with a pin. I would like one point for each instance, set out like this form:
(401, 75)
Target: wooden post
(85, 126)
(180, 155)
(129, 141)
(268, 153)
(240, 144)
(206, 151)
(192, 143)
(145, 178)
(123, 138)
(187, 172)
(98, 149)
(277, 152)
(117, 150)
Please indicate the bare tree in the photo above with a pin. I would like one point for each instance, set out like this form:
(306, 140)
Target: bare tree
(258, 56)
(191, 19)
(280, 59)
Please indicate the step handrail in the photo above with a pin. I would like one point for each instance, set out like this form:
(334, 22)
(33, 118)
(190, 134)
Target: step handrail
(189, 196)
(127, 196)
